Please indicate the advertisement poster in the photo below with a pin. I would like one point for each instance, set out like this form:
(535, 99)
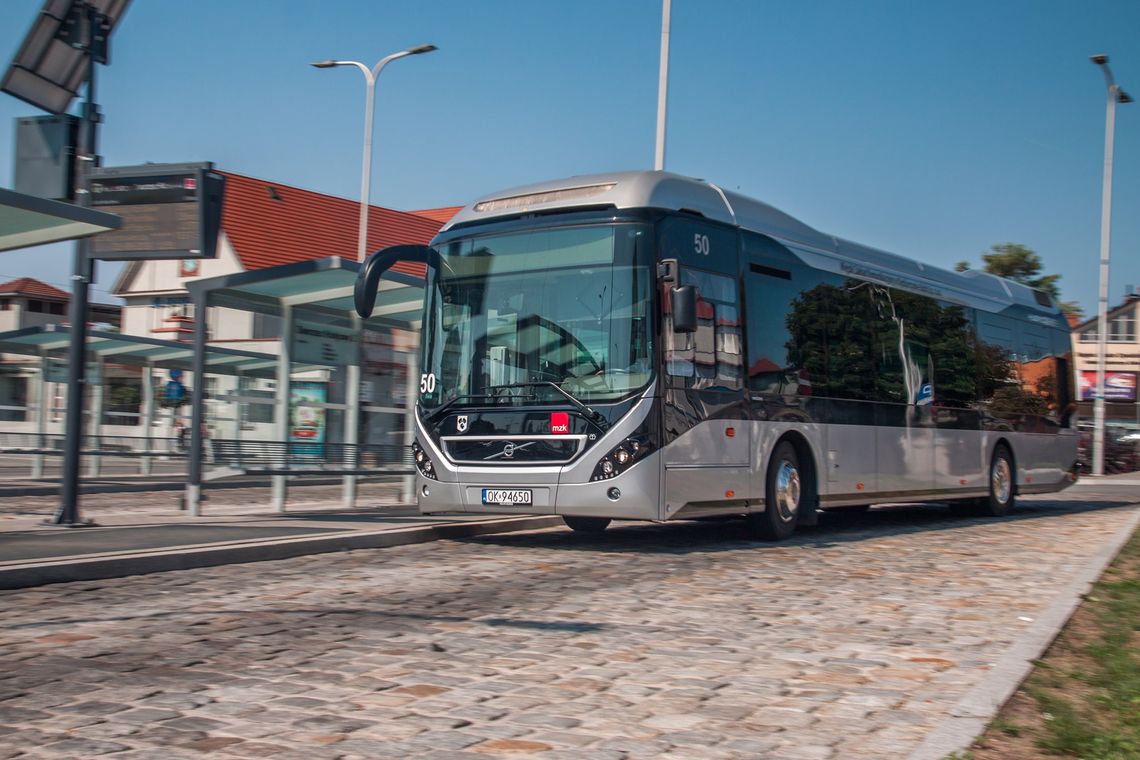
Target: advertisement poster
(1118, 386)
(307, 419)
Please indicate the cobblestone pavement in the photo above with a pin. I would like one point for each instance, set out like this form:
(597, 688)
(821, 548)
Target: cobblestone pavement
(853, 640)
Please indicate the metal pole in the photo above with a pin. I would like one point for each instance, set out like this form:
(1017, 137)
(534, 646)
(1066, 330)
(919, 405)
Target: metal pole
(145, 461)
(41, 419)
(82, 275)
(1114, 94)
(366, 164)
(370, 77)
(197, 408)
(1102, 301)
(281, 405)
(662, 87)
(95, 424)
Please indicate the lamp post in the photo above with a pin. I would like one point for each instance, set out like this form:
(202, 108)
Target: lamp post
(1115, 95)
(370, 76)
(662, 88)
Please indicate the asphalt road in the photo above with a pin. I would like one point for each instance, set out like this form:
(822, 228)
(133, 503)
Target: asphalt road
(857, 639)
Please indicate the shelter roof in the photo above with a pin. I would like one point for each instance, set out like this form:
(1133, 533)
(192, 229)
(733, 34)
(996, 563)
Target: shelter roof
(323, 285)
(137, 351)
(26, 220)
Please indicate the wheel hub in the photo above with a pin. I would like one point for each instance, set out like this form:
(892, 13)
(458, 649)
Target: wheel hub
(787, 490)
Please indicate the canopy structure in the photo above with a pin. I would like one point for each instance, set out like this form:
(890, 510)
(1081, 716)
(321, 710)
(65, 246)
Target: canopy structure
(314, 301)
(26, 220)
(136, 351)
(323, 285)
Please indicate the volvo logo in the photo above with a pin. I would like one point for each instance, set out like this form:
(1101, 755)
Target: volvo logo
(509, 449)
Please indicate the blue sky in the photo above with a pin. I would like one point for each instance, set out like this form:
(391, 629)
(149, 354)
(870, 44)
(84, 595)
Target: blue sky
(930, 129)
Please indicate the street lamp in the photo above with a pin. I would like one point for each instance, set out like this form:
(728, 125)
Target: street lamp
(1115, 95)
(370, 76)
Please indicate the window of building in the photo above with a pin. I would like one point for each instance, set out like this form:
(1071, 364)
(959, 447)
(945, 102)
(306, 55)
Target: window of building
(5, 304)
(1122, 329)
(55, 307)
(36, 306)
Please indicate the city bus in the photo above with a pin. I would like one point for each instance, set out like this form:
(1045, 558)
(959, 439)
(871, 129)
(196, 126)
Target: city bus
(646, 346)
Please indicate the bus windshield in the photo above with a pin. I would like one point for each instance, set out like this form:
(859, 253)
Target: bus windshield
(506, 316)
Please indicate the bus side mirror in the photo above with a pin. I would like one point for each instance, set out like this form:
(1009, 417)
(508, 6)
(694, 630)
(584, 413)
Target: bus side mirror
(368, 278)
(684, 309)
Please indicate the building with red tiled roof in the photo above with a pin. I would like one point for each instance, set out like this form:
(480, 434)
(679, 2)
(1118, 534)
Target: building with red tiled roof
(442, 215)
(269, 224)
(30, 286)
(28, 302)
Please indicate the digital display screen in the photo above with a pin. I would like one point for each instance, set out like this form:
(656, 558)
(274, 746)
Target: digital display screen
(166, 215)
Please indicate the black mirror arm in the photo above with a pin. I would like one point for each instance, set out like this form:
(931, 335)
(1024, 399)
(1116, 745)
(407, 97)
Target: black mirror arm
(368, 279)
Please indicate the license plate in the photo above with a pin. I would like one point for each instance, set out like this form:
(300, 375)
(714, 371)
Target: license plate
(506, 498)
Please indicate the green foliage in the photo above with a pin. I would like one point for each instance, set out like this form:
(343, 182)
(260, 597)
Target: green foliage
(1019, 263)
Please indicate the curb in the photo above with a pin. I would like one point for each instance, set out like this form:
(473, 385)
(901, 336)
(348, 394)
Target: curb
(970, 716)
(127, 563)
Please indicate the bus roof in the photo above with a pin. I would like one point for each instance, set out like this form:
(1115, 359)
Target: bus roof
(664, 190)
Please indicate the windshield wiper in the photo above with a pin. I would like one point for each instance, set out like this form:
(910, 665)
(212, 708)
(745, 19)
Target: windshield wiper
(589, 413)
(435, 414)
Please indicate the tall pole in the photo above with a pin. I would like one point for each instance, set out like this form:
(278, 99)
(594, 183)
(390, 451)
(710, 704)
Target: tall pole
(1115, 94)
(662, 87)
(366, 162)
(370, 77)
(82, 275)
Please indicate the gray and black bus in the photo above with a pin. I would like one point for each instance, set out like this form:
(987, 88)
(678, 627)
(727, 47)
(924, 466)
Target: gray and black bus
(645, 346)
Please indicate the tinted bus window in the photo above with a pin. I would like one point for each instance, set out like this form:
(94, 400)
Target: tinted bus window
(787, 305)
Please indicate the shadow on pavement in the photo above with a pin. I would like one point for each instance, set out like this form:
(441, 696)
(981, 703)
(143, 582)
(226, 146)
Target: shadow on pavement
(834, 527)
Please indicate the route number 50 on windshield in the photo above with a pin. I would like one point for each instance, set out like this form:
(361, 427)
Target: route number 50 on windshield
(427, 382)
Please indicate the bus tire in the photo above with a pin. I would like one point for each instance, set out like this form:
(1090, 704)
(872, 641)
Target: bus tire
(586, 524)
(785, 492)
(1002, 484)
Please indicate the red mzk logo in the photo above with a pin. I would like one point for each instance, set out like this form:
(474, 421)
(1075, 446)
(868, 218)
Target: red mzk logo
(559, 422)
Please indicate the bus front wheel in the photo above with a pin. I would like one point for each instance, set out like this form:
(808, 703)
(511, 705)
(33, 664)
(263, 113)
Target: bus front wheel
(785, 492)
(586, 524)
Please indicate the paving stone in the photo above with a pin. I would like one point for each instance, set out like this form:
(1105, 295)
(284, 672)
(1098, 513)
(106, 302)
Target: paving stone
(467, 649)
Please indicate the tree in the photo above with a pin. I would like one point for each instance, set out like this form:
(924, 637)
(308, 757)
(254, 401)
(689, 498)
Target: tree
(1021, 263)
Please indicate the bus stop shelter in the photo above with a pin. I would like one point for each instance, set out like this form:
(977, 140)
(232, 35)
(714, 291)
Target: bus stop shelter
(48, 344)
(318, 328)
(27, 220)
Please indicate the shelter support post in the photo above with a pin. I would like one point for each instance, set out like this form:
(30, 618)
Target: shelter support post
(281, 404)
(352, 427)
(409, 495)
(42, 403)
(95, 424)
(146, 462)
(197, 408)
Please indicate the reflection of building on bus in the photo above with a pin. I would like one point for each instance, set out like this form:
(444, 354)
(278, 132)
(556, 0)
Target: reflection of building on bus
(795, 370)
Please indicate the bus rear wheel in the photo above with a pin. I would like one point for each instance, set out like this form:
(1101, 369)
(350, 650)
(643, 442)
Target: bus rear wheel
(586, 524)
(785, 492)
(1002, 482)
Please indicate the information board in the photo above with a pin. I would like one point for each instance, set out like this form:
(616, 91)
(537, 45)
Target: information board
(169, 211)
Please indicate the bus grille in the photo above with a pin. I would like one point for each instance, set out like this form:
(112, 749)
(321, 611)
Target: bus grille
(510, 450)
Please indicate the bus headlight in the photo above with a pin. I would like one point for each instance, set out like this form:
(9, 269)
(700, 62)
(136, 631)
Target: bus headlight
(423, 461)
(622, 457)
